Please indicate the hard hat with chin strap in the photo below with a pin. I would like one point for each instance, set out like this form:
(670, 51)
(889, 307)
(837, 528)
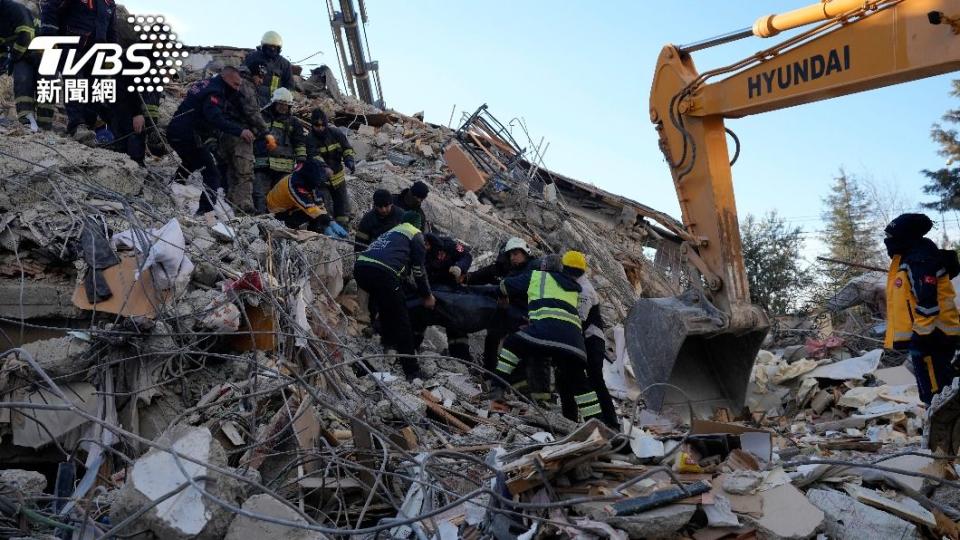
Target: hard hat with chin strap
(272, 38)
(282, 95)
(516, 243)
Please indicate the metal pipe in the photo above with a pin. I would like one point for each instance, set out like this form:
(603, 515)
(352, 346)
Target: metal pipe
(771, 25)
(718, 40)
(352, 31)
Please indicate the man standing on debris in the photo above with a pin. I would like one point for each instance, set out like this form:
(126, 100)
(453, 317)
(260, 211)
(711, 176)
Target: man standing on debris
(448, 262)
(279, 72)
(554, 332)
(379, 271)
(329, 144)
(921, 314)
(294, 199)
(595, 345)
(94, 21)
(236, 154)
(280, 149)
(195, 127)
(133, 117)
(17, 28)
(411, 199)
(514, 259)
(380, 219)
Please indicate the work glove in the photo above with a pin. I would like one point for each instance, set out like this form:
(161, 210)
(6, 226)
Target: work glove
(350, 165)
(271, 143)
(103, 135)
(335, 230)
(455, 271)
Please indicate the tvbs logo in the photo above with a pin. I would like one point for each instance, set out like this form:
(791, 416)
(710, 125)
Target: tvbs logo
(104, 59)
(145, 66)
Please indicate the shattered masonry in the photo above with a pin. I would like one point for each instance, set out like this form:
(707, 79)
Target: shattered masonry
(221, 392)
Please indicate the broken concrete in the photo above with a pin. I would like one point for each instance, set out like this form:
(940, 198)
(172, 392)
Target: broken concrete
(658, 523)
(246, 528)
(26, 482)
(787, 515)
(187, 514)
(848, 518)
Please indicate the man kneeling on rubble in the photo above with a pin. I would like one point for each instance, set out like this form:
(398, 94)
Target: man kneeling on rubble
(294, 199)
(380, 271)
(555, 331)
(921, 314)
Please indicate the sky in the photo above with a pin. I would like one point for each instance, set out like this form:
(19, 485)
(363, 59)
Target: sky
(578, 74)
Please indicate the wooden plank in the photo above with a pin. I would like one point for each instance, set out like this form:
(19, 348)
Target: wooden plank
(440, 411)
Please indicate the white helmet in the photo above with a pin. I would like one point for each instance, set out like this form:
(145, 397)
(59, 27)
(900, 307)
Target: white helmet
(282, 95)
(272, 38)
(516, 243)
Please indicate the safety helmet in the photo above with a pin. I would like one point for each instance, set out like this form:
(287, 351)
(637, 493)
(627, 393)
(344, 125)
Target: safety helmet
(575, 260)
(516, 243)
(272, 38)
(282, 95)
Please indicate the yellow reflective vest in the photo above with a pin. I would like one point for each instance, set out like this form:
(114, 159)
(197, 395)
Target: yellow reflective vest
(906, 315)
(286, 196)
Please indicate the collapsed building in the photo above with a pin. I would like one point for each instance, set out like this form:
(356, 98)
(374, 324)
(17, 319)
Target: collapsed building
(227, 387)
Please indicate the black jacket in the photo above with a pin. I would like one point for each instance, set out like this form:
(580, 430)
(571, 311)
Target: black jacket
(444, 254)
(279, 73)
(16, 29)
(93, 20)
(372, 225)
(201, 115)
(331, 146)
(406, 201)
(400, 249)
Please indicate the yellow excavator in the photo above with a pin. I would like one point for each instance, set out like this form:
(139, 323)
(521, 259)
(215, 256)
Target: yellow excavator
(700, 347)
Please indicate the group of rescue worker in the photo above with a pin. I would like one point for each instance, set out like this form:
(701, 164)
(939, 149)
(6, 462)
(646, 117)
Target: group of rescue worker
(559, 323)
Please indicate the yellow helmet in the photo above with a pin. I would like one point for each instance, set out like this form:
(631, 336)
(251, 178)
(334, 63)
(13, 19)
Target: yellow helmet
(272, 38)
(575, 259)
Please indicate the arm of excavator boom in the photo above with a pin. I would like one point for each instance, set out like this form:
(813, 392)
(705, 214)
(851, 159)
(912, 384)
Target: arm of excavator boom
(704, 342)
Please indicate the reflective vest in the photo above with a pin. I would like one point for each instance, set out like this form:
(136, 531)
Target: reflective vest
(546, 299)
(285, 196)
(904, 316)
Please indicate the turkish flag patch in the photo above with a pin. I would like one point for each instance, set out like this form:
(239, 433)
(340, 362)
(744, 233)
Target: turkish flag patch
(898, 283)
(215, 100)
(459, 248)
(930, 280)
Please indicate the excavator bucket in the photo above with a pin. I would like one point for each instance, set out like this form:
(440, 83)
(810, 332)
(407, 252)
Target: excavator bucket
(685, 341)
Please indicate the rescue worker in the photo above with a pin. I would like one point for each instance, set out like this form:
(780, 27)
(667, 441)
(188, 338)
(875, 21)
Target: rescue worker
(279, 73)
(380, 271)
(595, 345)
(198, 121)
(554, 332)
(94, 21)
(447, 263)
(280, 149)
(236, 155)
(132, 118)
(921, 314)
(412, 198)
(17, 29)
(328, 143)
(294, 199)
(514, 259)
(381, 218)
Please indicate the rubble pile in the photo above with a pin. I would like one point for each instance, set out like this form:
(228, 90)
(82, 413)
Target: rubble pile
(174, 376)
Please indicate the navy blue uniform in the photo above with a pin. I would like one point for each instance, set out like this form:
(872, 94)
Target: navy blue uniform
(17, 29)
(129, 105)
(379, 272)
(372, 225)
(94, 21)
(199, 120)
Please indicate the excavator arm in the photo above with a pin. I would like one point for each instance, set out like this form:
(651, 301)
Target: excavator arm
(699, 348)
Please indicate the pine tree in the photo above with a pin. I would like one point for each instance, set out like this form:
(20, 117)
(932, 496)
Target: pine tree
(849, 233)
(944, 183)
(776, 271)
